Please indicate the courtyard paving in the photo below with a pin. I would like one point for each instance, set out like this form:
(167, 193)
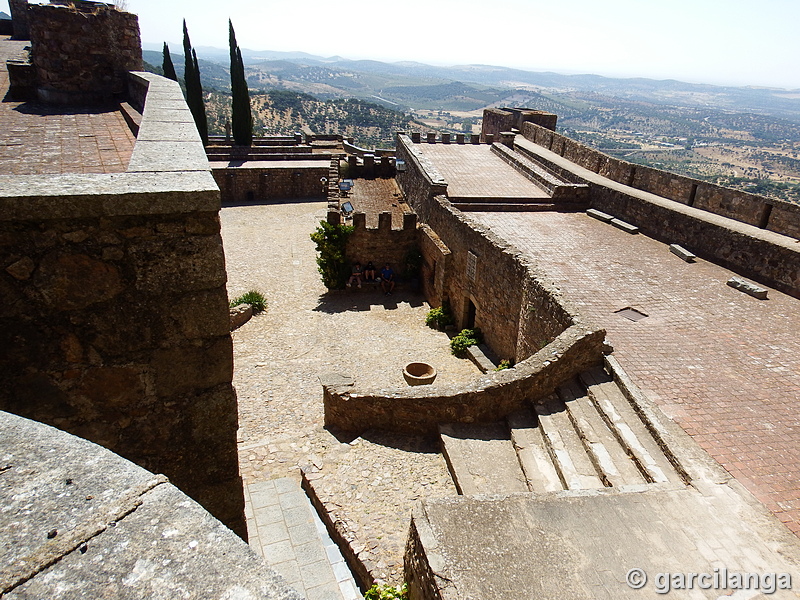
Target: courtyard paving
(373, 482)
(37, 139)
(723, 365)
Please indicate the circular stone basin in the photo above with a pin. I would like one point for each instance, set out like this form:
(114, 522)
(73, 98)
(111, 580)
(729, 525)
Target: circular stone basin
(419, 373)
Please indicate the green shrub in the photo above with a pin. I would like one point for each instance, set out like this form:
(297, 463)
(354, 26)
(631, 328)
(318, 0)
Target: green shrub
(253, 298)
(387, 592)
(439, 317)
(504, 364)
(465, 339)
(331, 241)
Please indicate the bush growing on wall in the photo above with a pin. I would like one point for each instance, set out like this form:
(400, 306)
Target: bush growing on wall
(331, 241)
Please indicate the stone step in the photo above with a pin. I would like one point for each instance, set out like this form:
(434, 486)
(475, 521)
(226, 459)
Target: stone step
(504, 206)
(628, 428)
(481, 458)
(537, 466)
(566, 447)
(611, 460)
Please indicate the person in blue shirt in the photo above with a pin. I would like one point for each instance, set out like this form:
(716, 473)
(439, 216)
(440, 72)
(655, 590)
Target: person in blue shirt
(387, 280)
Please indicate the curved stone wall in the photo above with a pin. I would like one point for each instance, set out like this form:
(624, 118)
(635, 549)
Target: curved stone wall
(353, 409)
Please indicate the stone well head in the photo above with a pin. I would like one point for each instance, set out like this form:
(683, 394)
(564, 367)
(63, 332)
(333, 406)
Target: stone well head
(419, 373)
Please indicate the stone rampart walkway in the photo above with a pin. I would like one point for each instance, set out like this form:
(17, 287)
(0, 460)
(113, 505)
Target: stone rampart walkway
(477, 172)
(722, 364)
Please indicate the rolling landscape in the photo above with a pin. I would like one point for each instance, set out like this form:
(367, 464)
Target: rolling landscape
(742, 137)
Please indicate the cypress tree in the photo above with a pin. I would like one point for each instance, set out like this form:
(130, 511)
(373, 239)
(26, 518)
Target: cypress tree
(194, 90)
(169, 68)
(241, 117)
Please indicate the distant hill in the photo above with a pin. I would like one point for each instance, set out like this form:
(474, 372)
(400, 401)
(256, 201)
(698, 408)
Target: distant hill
(212, 74)
(339, 77)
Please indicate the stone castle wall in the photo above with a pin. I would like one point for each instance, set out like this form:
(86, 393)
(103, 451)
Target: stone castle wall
(114, 318)
(766, 213)
(503, 287)
(248, 184)
(500, 120)
(83, 52)
(384, 243)
(743, 242)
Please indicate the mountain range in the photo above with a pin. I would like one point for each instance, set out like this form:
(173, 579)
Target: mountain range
(413, 84)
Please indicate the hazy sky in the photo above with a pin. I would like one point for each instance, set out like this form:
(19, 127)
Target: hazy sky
(738, 42)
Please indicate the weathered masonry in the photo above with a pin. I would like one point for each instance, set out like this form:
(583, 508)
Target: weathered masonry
(114, 320)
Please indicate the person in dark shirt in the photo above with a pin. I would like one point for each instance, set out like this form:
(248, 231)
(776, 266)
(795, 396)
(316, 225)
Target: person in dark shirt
(369, 272)
(387, 280)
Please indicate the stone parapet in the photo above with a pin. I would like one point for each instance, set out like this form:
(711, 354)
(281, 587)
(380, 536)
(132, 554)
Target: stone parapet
(559, 189)
(355, 408)
(766, 213)
(765, 256)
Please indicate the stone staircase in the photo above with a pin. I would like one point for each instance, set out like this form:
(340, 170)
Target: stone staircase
(587, 436)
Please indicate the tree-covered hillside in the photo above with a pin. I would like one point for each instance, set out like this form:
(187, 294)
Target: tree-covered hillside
(282, 111)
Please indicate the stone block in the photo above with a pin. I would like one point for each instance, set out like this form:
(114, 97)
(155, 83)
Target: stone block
(445, 138)
(682, 253)
(431, 137)
(239, 315)
(599, 215)
(748, 288)
(626, 227)
(460, 138)
(416, 137)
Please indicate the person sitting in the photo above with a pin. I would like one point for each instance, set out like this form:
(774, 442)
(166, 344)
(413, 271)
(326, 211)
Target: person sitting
(356, 275)
(369, 272)
(387, 280)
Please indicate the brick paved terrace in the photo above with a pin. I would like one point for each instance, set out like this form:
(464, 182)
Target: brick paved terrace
(374, 196)
(723, 365)
(37, 139)
(476, 172)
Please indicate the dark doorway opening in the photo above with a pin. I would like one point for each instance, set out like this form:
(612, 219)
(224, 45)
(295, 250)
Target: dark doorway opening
(471, 310)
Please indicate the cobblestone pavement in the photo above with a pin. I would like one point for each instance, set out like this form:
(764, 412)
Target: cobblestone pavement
(279, 354)
(722, 364)
(36, 138)
(477, 172)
